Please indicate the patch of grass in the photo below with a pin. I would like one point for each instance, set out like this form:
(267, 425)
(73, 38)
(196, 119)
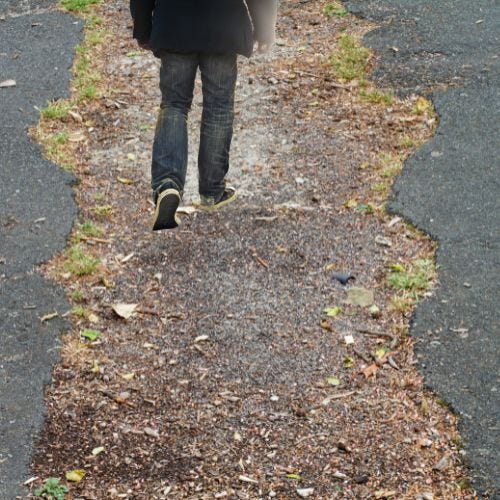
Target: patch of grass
(78, 5)
(55, 110)
(60, 138)
(77, 295)
(402, 304)
(89, 92)
(351, 59)
(104, 210)
(78, 262)
(88, 228)
(52, 489)
(380, 187)
(376, 97)
(334, 10)
(407, 142)
(414, 278)
(80, 311)
(423, 107)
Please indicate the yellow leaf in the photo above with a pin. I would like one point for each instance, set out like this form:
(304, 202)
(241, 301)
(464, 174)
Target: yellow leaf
(75, 476)
(128, 376)
(93, 318)
(95, 367)
(124, 180)
(332, 311)
(131, 156)
(352, 203)
(97, 450)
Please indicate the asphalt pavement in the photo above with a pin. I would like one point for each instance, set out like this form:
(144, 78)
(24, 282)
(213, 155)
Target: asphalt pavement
(37, 211)
(450, 52)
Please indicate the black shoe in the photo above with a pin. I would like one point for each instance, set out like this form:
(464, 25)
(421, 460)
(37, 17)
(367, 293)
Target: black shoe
(167, 203)
(209, 204)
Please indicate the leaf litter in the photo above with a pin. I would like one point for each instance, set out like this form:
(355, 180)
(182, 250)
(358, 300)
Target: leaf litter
(255, 290)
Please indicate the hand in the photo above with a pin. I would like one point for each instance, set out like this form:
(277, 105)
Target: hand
(144, 44)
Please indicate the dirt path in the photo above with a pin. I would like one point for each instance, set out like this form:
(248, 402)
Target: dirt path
(230, 381)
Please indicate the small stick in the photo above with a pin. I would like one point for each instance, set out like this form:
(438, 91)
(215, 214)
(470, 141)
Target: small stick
(361, 355)
(394, 340)
(97, 240)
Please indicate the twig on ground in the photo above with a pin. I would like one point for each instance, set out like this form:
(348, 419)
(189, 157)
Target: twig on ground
(394, 340)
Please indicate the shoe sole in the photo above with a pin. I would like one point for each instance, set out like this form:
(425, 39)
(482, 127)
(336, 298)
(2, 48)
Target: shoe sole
(166, 206)
(217, 206)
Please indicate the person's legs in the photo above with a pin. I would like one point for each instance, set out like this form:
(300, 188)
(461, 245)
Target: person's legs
(218, 74)
(170, 149)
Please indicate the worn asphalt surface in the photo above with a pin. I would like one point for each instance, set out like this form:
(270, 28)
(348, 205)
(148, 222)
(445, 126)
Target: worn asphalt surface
(449, 50)
(37, 211)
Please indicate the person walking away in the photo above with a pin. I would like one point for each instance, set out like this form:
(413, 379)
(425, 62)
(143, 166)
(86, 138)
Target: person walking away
(187, 35)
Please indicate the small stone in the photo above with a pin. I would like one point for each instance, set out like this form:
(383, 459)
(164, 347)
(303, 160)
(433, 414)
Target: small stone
(442, 464)
(274, 398)
(305, 492)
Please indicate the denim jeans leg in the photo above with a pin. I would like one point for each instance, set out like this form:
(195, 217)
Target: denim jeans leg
(170, 148)
(218, 75)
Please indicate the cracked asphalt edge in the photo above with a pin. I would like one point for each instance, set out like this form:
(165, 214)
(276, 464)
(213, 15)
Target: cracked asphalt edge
(449, 189)
(37, 212)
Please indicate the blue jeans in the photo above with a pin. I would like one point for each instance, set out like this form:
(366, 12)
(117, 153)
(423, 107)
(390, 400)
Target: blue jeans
(170, 149)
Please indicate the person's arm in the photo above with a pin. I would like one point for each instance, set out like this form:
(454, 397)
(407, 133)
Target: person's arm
(142, 14)
(264, 14)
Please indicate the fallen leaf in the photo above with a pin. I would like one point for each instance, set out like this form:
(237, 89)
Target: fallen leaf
(370, 371)
(359, 296)
(7, 83)
(293, 476)
(384, 494)
(93, 318)
(349, 339)
(151, 432)
(128, 376)
(424, 443)
(124, 310)
(352, 203)
(247, 479)
(325, 324)
(124, 180)
(95, 367)
(48, 317)
(381, 352)
(335, 381)
(442, 464)
(75, 476)
(332, 311)
(381, 240)
(305, 492)
(91, 335)
(132, 157)
(348, 362)
(374, 311)
(98, 450)
(201, 338)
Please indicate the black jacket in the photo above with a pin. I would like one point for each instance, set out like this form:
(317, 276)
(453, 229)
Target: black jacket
(217, 26)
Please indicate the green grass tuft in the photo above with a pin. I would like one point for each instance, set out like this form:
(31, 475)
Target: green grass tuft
(78, 5)
(78, 262)
(351, 59)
